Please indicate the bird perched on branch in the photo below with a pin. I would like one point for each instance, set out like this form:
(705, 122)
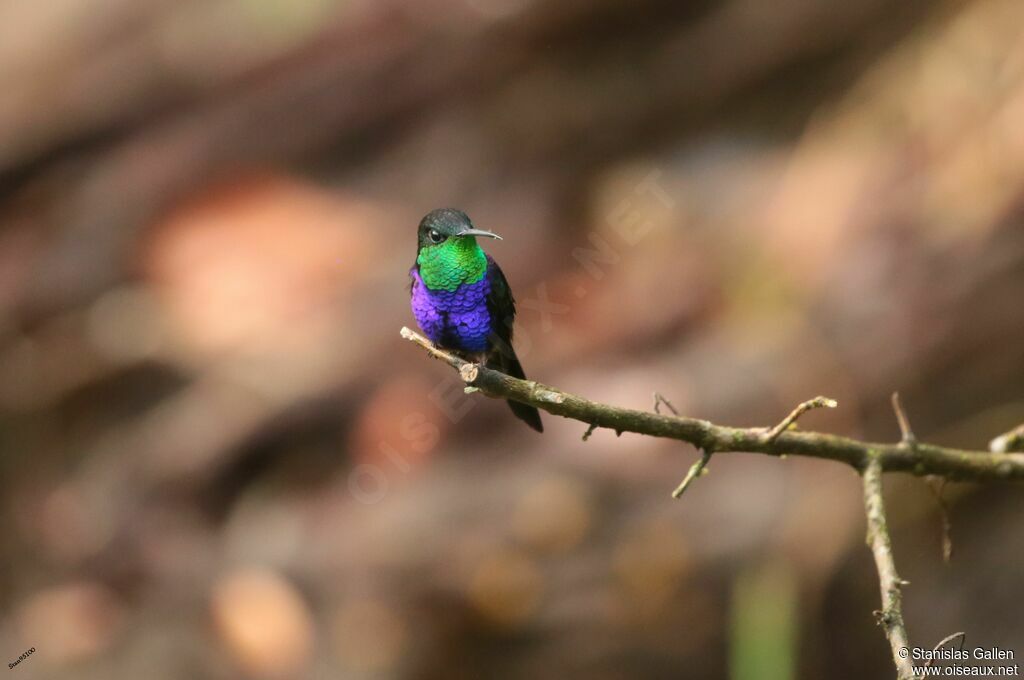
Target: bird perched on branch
(461, 300)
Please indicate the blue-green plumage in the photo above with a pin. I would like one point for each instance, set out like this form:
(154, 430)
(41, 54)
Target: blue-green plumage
(461, 300)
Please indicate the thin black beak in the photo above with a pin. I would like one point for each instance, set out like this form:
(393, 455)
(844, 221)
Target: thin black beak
(479, 232)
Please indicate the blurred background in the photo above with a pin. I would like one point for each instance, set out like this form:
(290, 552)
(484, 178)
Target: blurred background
(219, 460)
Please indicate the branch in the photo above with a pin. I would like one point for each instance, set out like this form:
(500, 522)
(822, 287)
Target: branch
(936, 484)
(817, 402)
(921, 459)
(907, 437)
(695, 471)
(890, 617)
(871, 459)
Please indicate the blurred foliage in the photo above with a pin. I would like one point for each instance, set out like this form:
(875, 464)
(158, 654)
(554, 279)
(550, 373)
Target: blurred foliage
(764, 635)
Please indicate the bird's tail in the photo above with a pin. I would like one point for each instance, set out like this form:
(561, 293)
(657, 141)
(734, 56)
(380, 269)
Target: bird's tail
(506, 361)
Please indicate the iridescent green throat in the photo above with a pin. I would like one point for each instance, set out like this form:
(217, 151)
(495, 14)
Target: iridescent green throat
(448, 265)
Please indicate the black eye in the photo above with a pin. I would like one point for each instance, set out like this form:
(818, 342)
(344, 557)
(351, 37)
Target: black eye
(435, 235)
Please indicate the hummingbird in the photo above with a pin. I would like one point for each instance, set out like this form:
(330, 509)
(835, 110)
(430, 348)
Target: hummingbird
(461, 300)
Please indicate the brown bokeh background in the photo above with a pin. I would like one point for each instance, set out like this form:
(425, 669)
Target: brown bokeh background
(219, 460)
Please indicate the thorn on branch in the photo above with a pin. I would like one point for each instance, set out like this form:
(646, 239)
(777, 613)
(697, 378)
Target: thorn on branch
(659, 400)
(942, 643)
(907, 437)
(590, 431)
(818, 402)
(696, 470)
(699, 467)
(1009, 442)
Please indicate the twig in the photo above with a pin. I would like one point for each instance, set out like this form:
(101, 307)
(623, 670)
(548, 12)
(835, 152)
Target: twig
(942, 643)
(659, 400)
(695, 471)
(1011, 441)
(771, 435)
(935, 484)
(698, 468)
(907, 437)
(924, 459)
(891, 615)
(817, 402)
(590, 431)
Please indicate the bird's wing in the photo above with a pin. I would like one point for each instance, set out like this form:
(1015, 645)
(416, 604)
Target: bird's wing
(500, 303)
(502, 308)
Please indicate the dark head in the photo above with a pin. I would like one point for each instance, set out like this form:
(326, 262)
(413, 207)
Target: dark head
(438, 226)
